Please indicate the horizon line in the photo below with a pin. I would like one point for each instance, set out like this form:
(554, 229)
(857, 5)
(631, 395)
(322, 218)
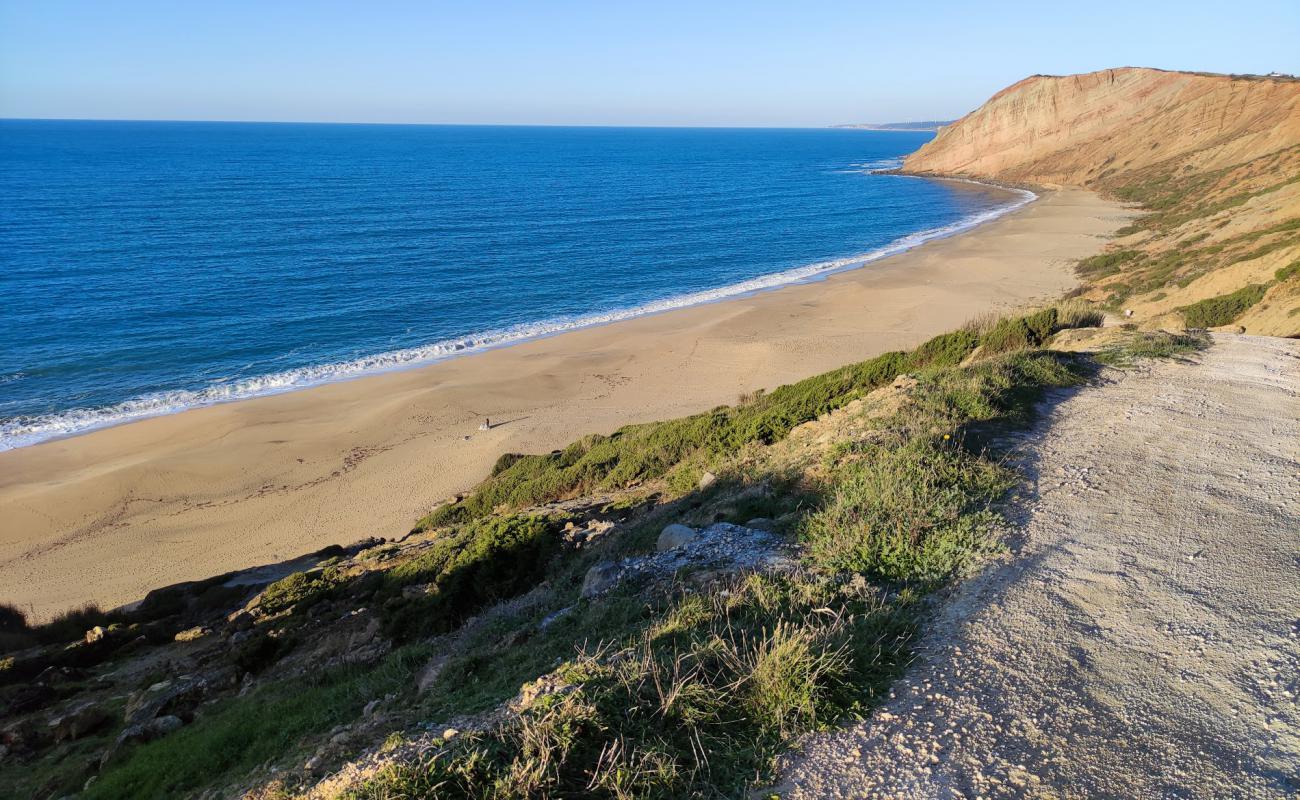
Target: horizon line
(835, 125)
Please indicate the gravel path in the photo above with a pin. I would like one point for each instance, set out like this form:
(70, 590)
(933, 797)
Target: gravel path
(1145, 640)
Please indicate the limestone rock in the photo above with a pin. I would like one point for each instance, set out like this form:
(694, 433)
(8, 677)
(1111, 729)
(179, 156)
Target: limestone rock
(675, 536)
(78, 721)
(599, 579)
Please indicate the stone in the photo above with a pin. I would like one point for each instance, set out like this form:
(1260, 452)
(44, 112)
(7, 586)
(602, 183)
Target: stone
(77, 721)
(762, 524)
(142, 707)
(599, 579)
(370, 708)
(675, 536)
(95, 634)
(707, 480)
(450, 733)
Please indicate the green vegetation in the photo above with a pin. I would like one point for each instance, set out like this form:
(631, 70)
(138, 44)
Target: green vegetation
(239, 733)
(1288, 272)
(694, 704)
(1020, 332)
(662, 693)
(638, 453)
(1151, 344)
(1103, 264)
(300, 591)
(737, 670)
(1224, 309)
(483, 561)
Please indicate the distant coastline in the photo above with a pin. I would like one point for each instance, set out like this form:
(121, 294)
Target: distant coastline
(921, 126)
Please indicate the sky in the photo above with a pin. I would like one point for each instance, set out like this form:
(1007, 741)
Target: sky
(604, 62)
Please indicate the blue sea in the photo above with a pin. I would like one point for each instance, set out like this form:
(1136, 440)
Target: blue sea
(149, 267)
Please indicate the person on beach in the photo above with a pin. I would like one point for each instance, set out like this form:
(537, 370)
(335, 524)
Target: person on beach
(486, 426)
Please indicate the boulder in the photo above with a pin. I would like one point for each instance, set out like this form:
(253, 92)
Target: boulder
(77, 721)
(141, 732)
(600, 578)
(707, 480)
(675, 536)
(762, 524)
(96, 634)
(183, 690)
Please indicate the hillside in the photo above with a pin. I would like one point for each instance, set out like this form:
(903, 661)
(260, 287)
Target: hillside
(1215, 159)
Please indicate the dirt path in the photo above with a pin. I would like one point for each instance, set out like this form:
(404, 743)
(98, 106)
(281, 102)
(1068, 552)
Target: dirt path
(1145, 641)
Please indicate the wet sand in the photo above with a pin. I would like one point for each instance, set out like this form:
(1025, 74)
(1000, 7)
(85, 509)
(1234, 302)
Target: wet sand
(108, 515)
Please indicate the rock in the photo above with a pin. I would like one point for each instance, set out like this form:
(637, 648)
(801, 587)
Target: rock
(707, 480)
(370, 707)
(142, 707)
(450, 733)
(600, 578)
(429, 675)
(190, 634)
(161, 726)
(141, 732)
(77, 721)
(762, 524)
(551, 619)
(240, 622)
(675, 536)
(95, 634)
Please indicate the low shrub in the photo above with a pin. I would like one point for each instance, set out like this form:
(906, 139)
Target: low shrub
(1288, 272)
(921, 511)
(1103, 264)
(481, 562)
(300, 591)
(694, 705)
(1016, 333)
(1224, 309)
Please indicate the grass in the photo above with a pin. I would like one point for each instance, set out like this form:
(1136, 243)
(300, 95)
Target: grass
(481, 562)
(1224, 309)
(695, 697)
(670, 695)
(639, 453)
(694, 704)
(237, 734)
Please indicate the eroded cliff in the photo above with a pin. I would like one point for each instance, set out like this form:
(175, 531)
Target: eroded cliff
(1214, 158)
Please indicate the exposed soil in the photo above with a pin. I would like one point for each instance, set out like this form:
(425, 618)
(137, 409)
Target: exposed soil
(1144, 641)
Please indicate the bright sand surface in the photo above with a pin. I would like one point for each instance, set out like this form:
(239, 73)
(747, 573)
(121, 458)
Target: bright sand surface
(111, 514)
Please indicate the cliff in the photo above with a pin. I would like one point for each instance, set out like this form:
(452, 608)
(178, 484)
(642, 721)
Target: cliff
(1078, 129)
(1214, 159)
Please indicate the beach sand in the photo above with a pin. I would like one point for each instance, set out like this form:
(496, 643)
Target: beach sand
(106, 516)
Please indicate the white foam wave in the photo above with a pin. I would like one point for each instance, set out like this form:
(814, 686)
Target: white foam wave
(24, 431)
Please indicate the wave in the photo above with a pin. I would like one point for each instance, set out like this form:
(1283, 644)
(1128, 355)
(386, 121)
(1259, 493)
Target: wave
(29, 430)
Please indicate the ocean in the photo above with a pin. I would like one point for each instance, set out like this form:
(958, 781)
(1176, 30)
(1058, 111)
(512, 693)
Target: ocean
(150, 267)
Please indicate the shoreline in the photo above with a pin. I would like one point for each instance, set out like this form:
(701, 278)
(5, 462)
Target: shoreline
(80, 421)
(106, 515)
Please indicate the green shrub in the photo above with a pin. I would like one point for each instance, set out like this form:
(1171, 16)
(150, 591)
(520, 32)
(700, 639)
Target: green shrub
(1103, 264)
(916, 512)
(300, 591)
(696, 705)
(483, 561)
(235, 734)
(946, 350)
(1288, 272)
(1020, 332)
(1224, 309)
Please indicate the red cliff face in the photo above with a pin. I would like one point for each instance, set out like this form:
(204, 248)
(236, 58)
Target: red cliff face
(1079, 129)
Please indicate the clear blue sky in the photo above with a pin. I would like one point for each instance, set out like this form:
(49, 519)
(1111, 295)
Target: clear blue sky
(795, 62)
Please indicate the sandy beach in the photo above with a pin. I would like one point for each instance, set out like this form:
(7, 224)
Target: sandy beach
(106, 516)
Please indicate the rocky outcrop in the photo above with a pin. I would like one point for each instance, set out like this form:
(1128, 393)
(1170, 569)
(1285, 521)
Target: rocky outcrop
(1078, 129)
